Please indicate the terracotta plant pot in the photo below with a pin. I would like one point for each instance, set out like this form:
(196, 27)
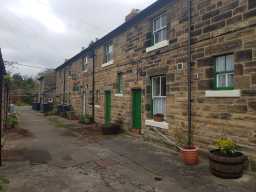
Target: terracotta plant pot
(190, 156)
(227, 167)
(159, 117)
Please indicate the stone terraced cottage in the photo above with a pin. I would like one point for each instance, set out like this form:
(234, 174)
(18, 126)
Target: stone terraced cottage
(47, 87)
(140, 69)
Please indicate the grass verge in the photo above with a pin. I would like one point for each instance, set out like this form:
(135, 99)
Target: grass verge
(3, 184)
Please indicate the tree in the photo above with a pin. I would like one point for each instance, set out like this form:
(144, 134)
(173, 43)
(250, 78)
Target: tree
(22, 88)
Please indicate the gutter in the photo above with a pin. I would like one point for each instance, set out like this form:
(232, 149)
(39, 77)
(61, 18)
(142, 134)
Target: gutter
(123, 27)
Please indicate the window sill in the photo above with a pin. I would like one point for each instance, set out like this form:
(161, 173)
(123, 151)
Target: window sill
(97, 106)
(85, 71)
(107, 64)
(158, 46)
(119, 95)
(162, 125)
(223, 93)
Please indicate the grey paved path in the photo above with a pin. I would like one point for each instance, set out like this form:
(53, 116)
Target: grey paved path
(58, 161)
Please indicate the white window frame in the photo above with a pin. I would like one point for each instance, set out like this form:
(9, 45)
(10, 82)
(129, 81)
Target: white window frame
(226, 80)
(120, 84)
(162, 27)
(158, 97)
(85, 64)
(225, 73)
(108, 55)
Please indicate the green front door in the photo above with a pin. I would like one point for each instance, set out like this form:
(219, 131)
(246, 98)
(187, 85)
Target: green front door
(107, 115)
(136, 109)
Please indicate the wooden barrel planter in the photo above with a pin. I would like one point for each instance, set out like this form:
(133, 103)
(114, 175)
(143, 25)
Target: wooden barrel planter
(227, 167)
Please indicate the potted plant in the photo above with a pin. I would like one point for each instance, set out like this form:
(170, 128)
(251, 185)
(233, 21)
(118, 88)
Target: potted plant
(189, 152)
(111, 129)
(159, 117)
(226, 161)
(85, 119)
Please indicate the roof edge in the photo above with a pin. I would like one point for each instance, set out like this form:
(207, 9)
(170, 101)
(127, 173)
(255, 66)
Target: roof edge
(140, 16)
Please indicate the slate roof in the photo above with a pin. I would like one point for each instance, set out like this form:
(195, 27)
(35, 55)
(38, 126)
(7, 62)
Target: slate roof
(139, 17)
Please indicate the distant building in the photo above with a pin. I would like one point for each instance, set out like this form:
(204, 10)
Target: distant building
(47, 87)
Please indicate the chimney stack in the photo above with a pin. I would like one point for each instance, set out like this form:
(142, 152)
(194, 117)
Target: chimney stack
(132, 14)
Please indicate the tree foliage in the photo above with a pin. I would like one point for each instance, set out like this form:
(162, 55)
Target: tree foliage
(23, 88)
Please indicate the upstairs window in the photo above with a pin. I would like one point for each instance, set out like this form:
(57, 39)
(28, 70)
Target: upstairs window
(159, 95)
(108, 53)
(76, 87)
(224, 72)
(119, 88)
(85, 64)
(160, 28)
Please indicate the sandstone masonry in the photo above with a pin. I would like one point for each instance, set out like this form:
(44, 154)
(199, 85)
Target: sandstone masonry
(148, 54)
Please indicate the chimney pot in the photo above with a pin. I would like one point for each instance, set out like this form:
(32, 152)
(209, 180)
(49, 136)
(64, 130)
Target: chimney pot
(132, 14)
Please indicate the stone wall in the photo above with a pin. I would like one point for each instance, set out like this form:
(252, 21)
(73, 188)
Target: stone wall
(78, 87)
(224, 27)
(218, 28)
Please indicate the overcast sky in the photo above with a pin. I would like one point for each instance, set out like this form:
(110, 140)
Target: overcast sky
(42, 33)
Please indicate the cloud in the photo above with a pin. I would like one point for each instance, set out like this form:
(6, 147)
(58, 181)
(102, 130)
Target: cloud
(39, 11)
(42, 33)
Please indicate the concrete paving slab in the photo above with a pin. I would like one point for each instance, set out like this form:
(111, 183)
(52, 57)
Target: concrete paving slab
(110, 164)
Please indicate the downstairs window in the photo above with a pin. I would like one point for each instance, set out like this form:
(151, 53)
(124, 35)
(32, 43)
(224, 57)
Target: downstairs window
(224, 72)
(159, 95)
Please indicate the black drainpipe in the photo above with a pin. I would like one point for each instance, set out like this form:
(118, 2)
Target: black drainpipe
(189, 74)
(64, 87)
(7, 103)
(93, 84)
(1, 118)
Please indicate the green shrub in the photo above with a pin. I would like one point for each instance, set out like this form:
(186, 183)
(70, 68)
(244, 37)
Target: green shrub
(85, 119)
(12, 121)
(53, 112)
(227, 146)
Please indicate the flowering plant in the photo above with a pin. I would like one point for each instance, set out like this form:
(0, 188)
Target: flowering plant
(226, 146)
